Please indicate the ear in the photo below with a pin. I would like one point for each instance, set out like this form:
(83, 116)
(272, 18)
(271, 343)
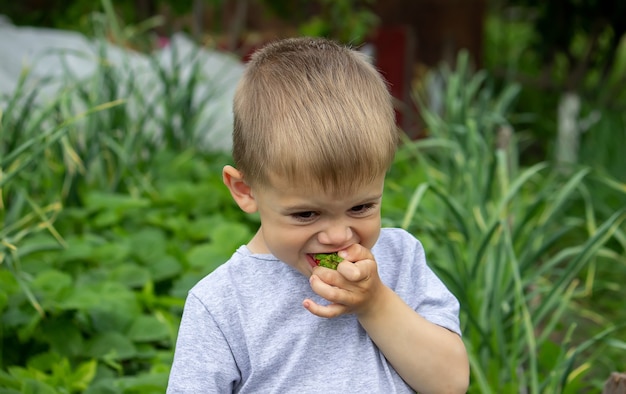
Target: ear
(239, 189)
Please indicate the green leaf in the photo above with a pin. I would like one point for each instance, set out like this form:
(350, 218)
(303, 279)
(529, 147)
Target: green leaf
(4, 298)
(83, 375)
(198, 230)
(110, 345)
(8, 287)
(189, 197)
(107, 219)
(52, 283)
(207, 257)
(42, 242)
(112, 253)
(230, 235)
(8, 282)
(32, 386)
(102, 385)
(184, 283)
(148, 383)
(164, 267)
(8, 383)
(82, 298)
(582, 257)
(62, 336)
(44, 361)
(79, 249)
(109, 305)
(225, 238)
(130, 275)
(148, 328)
(97, 201)
(148, 244)
(416, 198)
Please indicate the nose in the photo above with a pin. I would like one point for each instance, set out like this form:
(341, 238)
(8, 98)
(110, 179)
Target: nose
(336, 234)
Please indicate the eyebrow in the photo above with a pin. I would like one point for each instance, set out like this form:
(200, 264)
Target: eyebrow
(370, 199)
(310, 207)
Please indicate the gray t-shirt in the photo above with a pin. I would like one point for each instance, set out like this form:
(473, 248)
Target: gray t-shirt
(244, 328)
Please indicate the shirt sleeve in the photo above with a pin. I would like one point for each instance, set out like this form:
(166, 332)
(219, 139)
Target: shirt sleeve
(407, 272)
(433, 300)
(203, 361)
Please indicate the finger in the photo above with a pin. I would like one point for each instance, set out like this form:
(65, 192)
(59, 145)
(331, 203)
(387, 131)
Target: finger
(356, 252)
(329, 276)
(326, 288)
(332, 284)
(361, 271)
(327, 311)
(350, 271)
(367, 269)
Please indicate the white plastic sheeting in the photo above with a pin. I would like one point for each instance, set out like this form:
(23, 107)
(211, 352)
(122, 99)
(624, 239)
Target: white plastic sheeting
(57, 59)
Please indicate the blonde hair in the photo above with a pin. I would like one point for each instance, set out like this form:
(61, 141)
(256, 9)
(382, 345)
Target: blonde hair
(313, 111)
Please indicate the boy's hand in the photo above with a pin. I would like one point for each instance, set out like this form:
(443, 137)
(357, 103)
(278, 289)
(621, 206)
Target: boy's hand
(352, 288)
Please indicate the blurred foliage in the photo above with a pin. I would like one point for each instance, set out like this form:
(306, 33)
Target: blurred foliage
(552, 48)
(61, 14)
(349, 21)
(556, 47)
(572, 43)
(519, 245)
(108, 215)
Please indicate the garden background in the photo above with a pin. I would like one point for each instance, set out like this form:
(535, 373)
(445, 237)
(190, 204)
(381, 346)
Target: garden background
(512, 174)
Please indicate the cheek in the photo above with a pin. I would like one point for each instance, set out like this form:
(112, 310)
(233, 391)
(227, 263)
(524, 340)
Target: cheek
(369, 232)
(285, 243)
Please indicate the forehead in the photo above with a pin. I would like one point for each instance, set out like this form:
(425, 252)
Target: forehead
(307, 189)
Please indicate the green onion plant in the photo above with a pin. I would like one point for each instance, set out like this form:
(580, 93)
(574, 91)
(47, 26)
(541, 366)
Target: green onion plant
(513, 242)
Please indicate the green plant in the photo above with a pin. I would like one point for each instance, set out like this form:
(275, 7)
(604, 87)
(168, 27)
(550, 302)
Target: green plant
(108, 302)
(349, 21)
(104, 228)
(507, 239)
(27, 205)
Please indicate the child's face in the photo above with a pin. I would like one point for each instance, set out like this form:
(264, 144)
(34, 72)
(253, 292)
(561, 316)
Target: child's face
(298, 221)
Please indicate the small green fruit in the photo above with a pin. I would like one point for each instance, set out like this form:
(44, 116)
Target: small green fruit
(328, 260)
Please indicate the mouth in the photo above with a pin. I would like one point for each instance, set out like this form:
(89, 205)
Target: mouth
(310, 258)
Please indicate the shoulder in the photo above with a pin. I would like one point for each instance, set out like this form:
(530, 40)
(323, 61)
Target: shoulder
(236, 283)
(403, 267)
(398, 244)
(220, 279)
(395, 234)
(235, 274)
(400, 258)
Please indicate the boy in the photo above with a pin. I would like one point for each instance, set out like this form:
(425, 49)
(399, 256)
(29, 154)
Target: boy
(314, 136)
